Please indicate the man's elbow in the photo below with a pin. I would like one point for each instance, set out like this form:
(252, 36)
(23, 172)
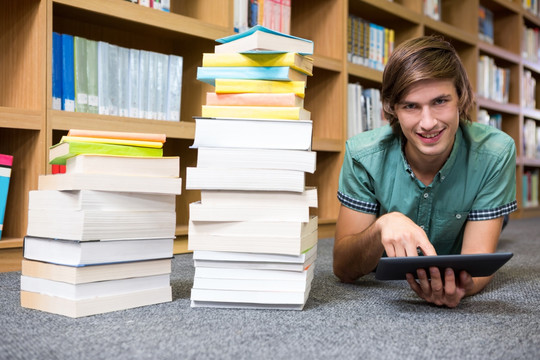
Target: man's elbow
(346, 275)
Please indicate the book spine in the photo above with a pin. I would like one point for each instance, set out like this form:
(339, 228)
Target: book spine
(81, 76)
(113, 81)
(123, 81)
(6, 162)
(57, 71)
(92, 74)
(103, 77)
(68, 87)
(174, 88)
(134, 56)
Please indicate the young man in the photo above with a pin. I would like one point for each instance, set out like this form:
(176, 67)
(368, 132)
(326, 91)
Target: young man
(430, 181)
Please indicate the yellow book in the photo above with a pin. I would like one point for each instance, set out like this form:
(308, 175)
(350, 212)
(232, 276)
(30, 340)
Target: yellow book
(130, 142)
(295, 61)
(256, 112)
(235, 86)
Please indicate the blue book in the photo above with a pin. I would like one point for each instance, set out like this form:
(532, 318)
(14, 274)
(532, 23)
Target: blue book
(209, 74)
(6, 162)
(57, 71)
(68, 72)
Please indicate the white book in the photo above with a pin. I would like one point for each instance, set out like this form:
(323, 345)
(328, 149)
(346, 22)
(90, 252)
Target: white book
(80, 253)
(134, 57)
(244, 179)
(99, 200)
(105, 182)
(103, 77)
(299, 160)
(250, 297)
(113, 81)
(151, 112)
(255, 244)
(87, 225)
(96, 305)
(174, 88)
(222, 198)
(253, 133)
(123, 81)
(292, 229)
(232, 257)
(93, 273)
(238, 305)
(162, 74)
(235, 212)
(93, 289)
(143, 83)
(168, 166)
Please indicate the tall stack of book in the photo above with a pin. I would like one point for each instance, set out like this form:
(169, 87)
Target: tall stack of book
(253, 238)
(100, 236)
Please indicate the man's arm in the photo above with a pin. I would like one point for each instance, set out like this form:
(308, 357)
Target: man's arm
(361, 239)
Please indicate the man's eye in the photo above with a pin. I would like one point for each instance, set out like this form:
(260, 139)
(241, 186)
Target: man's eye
(440, 101)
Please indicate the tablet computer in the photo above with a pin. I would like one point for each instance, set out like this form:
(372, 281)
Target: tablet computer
(395, 268)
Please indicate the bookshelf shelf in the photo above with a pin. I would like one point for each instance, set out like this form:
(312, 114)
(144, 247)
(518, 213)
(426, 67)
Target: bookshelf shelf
(20, 118)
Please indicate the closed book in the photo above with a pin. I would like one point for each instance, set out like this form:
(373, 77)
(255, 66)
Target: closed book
(81, 75)
(93, 273)
(254, 99)
(293, 300)
(300, 160)
(244, 179)
(68, 70)
(162, 74)
(78, 253)
(252, 279)
(144, 83)
(103, 77)
(124, 165)
(123, 81)
(6, 162)
(59, 153)
(95, 305)
(174, 88)
(113, 80)
(87, 225)
(56, 71)
(97, 140)
(99, 200)
(307, 198)
(260, 38)
(104, 134)
(134, 56)
(106, 182)
(233, 86)
(293, 60)
(253, 133)
(255, 244)
(233, 212)
(92, 76)
(256, 112)
(275, 73)
(278, 229)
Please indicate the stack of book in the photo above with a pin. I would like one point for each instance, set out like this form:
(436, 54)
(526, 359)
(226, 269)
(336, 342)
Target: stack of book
(100, 236)
(253, 238)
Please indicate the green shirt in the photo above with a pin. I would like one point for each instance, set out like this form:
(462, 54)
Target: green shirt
(477, 182)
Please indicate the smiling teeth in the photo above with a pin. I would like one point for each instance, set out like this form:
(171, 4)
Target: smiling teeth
(430, 135)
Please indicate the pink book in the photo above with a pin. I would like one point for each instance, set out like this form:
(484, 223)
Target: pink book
(6, 160)
(254, 99)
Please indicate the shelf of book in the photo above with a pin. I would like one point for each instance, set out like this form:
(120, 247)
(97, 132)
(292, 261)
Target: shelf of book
(18, 118)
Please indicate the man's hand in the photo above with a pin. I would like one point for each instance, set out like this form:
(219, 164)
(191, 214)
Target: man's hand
(448, 292)
(400, 236)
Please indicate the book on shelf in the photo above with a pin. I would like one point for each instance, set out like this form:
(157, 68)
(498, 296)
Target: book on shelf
(200, 211)
(151, 111)
(244, 179)
(174, 88)
(295, 61)
(256, 112)
(99, 200)
(241, 260)
(271, 73)
(56, 71)
(86, 225)
(113, 80)
(254, 99)
(6, 163)
(485, 24)
(234, 86)
(255, 244)
(59, 153)
(80, 253)
(103, 76)
(144, 83)
(93, 273)
(117, 135)
(95, 305)
(123, 81)
(134, 105)
(106, 182)
(240, 15)
(166, 166)
(300, 160)
(81, 75)
(68, 70)
(260, 38)
(252, 279)
(306, 198)
(277, 229)
(253, 133)
(92, 76)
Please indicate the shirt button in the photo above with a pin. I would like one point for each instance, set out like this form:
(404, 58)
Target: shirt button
(443, 177)
(458, 216)
(426, 195)
(422, 227)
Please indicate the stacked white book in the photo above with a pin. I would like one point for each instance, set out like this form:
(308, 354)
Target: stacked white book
(100, 236)
(254, 240)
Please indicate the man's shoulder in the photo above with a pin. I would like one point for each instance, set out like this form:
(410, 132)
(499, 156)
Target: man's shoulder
(487, 139)
(373, 141)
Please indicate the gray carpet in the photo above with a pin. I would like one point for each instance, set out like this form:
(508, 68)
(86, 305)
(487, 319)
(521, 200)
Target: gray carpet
(369, 320)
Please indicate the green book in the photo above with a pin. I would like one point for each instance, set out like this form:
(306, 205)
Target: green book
(81, 75)
(92, 73)
(59, 153)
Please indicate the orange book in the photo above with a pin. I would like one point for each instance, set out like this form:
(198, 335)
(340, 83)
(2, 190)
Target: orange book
(254, 99)
(117, 135)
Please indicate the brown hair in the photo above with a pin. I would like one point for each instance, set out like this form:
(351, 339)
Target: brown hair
(423, 58)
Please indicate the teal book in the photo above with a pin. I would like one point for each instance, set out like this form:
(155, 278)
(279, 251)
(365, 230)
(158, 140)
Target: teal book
(6, 161)
(209, 74)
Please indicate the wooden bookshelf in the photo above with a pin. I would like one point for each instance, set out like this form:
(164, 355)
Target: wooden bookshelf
(28, 125)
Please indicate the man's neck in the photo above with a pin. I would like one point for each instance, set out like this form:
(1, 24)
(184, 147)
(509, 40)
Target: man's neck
(425, 168)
